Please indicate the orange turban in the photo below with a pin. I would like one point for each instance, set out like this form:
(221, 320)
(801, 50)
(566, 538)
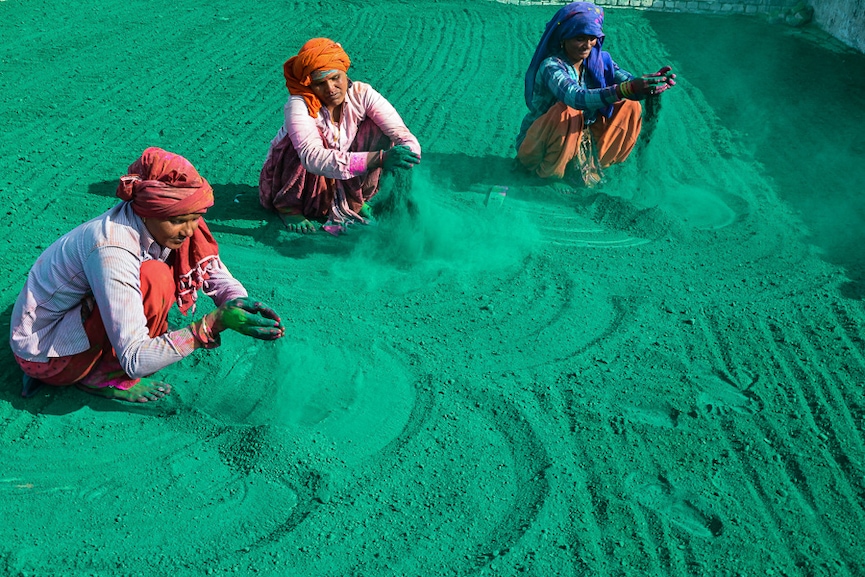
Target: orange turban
(316, 54)
(162, 184)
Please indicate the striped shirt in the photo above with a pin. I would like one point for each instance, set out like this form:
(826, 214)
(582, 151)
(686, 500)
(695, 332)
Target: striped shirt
(101, 260)
(557, 80)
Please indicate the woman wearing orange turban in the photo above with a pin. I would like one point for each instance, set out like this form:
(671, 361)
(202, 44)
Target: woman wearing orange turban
(325, 162)
(94, 309)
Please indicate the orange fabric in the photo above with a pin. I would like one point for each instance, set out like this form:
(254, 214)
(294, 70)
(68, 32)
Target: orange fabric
(617, 135)
(157, 293)
(316, 54)
(552, 141)
(554, 138)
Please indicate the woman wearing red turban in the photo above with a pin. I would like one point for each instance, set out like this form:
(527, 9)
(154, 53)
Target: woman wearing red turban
(325, 162)
(94, 309)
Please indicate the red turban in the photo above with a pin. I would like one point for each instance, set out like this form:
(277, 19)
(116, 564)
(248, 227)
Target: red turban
(162, 184)
(316, 54)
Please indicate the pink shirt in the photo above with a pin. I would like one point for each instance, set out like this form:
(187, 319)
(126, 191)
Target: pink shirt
(333, 160)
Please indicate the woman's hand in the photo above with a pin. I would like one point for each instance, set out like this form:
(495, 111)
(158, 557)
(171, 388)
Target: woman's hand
(399, 157)
(665, 74)
(647, 85)
(248, 317)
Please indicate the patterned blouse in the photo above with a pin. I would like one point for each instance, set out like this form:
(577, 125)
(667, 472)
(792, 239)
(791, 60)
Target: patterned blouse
(558, 80)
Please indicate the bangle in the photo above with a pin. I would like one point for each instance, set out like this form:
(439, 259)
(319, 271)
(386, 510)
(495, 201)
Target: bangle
(202, 331)
(625, 88)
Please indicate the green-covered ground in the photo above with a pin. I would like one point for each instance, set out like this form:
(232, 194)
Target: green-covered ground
(664, 378)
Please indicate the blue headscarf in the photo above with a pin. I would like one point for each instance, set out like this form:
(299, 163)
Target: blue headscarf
(572, 20)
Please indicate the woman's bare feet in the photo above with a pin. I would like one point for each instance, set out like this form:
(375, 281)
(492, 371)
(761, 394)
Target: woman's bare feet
(297, 223)
(146, 390)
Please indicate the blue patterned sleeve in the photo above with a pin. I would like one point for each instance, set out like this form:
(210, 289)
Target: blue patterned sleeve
(557, 78)
(621, 75)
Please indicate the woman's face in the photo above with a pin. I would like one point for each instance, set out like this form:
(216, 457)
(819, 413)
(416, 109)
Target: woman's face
(173, 232)
(331, 89)
(579, 47)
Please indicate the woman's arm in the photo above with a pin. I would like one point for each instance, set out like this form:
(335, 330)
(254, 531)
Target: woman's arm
(388, 119)
(114, 277)
(222, 286)
(314, 155)
(556, 76)
(620, 74)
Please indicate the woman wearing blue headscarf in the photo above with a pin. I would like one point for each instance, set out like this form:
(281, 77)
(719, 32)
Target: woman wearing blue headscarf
(572, 84)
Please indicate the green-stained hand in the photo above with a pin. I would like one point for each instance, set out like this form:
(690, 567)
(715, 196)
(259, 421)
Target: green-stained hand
(400, 157)
(248, 317)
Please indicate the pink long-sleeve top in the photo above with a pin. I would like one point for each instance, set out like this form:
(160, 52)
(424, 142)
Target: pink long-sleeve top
(323, 145)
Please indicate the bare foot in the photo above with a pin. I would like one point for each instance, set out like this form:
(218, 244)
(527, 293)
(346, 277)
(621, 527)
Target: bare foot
(146, 390)
(297, 223)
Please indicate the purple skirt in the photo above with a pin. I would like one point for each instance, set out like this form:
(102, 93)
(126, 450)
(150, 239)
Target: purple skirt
(285, 186)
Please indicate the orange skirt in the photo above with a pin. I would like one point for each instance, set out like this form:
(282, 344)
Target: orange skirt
(98, 365)
(553, 140)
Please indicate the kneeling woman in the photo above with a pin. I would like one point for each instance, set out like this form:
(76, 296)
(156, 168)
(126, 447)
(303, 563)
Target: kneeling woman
(571, 86)
(94, 309)
(325, 162)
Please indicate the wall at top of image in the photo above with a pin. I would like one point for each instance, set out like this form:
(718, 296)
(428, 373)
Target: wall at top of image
(708, 6)
(843, 19)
